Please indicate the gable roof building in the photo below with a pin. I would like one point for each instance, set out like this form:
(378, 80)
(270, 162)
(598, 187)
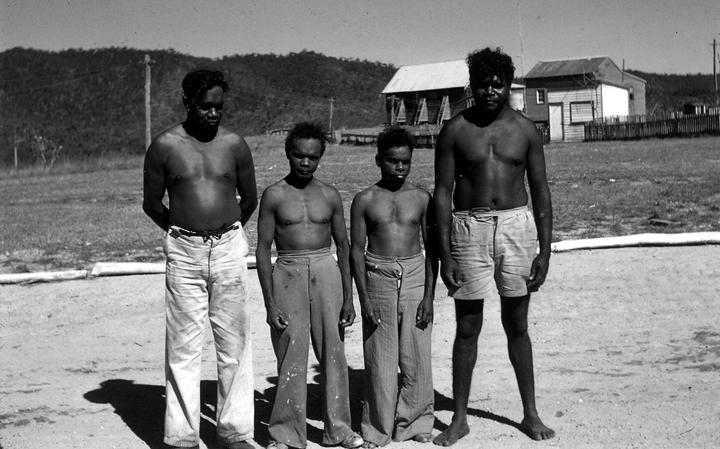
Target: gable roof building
(432, 93)
(564, 94)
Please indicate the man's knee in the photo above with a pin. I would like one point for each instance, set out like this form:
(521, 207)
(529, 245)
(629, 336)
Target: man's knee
(514, 316)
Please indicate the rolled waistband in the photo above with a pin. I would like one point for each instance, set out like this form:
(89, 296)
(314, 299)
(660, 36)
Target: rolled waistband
(377, 258)
(488, 212)
(290, 253)
(205, 235)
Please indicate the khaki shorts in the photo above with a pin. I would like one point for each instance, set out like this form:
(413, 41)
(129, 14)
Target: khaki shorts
(493, 244)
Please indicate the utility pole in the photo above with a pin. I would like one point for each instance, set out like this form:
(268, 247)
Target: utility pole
(331, 112)
(715, 80)
(148, 134)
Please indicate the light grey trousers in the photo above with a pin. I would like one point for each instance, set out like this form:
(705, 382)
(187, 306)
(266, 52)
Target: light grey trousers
(396, 410)
(308, 288)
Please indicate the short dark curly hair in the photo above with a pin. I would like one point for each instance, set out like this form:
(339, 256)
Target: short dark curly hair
(487, 63)
(394, 136)
(306, 130)
(198, 82)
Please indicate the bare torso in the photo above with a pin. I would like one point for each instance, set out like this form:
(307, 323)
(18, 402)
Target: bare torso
(201, 180)
(303, 217)
(490, 162)
(393, 219)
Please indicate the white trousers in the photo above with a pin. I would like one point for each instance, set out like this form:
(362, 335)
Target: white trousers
(207, 276)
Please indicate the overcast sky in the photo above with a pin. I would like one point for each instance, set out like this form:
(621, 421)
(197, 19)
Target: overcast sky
(663, 36)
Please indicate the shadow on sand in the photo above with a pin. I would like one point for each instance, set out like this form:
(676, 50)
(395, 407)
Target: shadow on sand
(142, 408)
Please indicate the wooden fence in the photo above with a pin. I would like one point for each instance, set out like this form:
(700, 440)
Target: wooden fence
(640, 126)
(425, 136)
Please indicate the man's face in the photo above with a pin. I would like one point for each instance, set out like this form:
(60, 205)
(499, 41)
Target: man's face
(491, 94)
(304, 157)
(395, 163)
(207, 112)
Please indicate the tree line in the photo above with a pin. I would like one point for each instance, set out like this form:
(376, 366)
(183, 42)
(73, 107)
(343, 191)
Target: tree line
(91, 102)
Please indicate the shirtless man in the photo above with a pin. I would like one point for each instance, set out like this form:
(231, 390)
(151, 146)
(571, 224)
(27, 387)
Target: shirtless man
(308, 295)
(484, 153)
(202, 165)
(396, 285)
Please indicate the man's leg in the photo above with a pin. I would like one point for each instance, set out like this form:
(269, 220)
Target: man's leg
(514, 319)
(230, 322)
(380, 350)
(469, 316)
(288, 419)
(328, 344)
(185, 310)
(416, 397)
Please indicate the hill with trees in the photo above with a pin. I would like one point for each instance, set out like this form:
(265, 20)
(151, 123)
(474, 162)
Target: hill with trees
(92, 101)
(667, 93)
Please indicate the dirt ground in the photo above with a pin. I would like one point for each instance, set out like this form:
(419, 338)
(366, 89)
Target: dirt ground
(626, 342)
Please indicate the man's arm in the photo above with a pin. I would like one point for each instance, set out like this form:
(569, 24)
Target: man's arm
(428, 228)
(154, 185)
(266, 233)
(358, 238)
(542, 207)
(339, 235)
(246, 186)
(444, 182)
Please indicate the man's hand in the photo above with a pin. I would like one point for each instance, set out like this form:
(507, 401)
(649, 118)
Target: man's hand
(424, 313)
(368, 314)
(277, 319)
(347, 314)
(450, 273)
(538, 272)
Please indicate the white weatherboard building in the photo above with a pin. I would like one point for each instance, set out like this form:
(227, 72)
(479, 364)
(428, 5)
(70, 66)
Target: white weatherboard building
(564, 94)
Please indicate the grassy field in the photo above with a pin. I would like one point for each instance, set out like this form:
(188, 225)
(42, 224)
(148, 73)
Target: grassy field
(90, 212)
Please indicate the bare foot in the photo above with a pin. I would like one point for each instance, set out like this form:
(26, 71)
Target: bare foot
(535, 429)
(369, 445)
(452, 434)
(423, 437)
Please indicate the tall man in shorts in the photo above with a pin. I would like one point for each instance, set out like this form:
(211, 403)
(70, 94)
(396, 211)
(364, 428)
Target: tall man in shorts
(484, 153)
(396, 285)
(308, 294)
(202, 166)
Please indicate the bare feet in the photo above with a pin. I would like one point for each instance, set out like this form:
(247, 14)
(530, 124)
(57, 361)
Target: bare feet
(452, 434)
(369, 445)
(423, 437)
(535, 429)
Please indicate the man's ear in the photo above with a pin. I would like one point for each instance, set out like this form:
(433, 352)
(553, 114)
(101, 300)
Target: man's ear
(186, 103)
(377, 160)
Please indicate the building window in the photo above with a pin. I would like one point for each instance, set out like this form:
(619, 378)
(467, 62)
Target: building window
(540, 96)
(581, 112)
(631, 93)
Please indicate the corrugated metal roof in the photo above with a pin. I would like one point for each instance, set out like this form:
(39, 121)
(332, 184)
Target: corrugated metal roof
(438, 75)
(566, 67)
(434, 76)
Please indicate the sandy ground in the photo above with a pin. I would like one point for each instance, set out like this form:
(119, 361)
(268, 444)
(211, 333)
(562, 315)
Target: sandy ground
(626, 341)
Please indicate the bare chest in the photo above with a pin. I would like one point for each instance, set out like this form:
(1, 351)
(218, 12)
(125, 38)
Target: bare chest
(299, 209)
(402, 209)
(490, 147)
(191, 165)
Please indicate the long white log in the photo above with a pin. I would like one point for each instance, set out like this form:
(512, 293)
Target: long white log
(125, 268)
(128, 268)
(30, 278)
(692, 238)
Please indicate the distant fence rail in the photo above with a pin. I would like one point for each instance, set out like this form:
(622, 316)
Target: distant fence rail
(425, 136)
(641, 126)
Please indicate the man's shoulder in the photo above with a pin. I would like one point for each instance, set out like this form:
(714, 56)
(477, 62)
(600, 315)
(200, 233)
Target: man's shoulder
(417, 190)
(170, 135)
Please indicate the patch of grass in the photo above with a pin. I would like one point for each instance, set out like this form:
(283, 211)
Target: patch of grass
(74, 216)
